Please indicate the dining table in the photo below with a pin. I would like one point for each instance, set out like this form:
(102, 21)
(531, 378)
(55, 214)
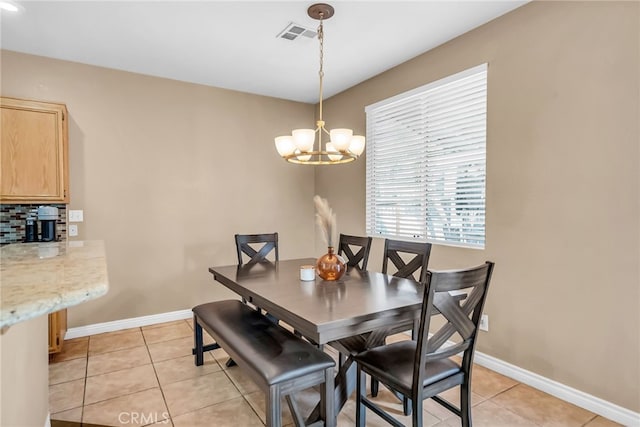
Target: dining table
(360, 302)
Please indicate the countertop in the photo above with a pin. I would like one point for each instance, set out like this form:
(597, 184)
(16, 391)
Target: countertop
(40, 278)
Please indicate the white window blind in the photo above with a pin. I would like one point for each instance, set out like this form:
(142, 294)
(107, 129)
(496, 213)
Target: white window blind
(426, 166)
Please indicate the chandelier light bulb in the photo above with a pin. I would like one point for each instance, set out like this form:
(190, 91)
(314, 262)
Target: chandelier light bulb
(332, 149)
(341, 138)
(285, 145)
(357, 145)
(303, 157)
(304, 139)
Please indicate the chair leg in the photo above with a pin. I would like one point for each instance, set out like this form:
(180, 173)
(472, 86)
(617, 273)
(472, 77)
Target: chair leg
(361, 410)
(465, 404)
(416, 416)
(375, 385)
(406, 405)
(197, 342)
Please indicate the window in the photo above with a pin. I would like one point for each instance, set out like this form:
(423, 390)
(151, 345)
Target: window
(426, 166)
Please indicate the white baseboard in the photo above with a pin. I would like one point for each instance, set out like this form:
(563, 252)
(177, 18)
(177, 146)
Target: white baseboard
(47, 422)
(579, 398)
(135, 322)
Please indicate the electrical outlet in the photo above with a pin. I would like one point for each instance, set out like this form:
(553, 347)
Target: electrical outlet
(73, 230)
(484, 323)
(76, 215)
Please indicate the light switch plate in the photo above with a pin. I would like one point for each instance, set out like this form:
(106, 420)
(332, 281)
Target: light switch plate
(76, 215)
(73, 230)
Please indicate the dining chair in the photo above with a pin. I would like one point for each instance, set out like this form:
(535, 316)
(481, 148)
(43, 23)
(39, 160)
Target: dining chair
(410, 260)
(423, 369)
(407, 259)
(247, 245)
(346, 246)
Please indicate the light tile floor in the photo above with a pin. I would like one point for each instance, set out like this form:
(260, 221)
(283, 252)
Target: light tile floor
(146, 376)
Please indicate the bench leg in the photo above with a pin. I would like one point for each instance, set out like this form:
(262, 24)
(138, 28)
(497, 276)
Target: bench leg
(273, 407)
(295, 411)
(197, 342)
(374, 387)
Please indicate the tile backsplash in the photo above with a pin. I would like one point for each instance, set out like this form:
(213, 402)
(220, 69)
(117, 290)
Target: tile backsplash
(13, 217)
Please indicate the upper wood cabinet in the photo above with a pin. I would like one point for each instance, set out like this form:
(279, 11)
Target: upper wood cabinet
(34, 150)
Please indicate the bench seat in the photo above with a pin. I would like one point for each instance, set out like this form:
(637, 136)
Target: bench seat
(277, 360)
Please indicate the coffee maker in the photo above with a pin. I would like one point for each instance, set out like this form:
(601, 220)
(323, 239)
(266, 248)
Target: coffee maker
(48, 215)
(31, 229)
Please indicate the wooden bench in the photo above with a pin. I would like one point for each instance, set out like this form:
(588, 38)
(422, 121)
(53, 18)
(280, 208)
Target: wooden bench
(275, 359)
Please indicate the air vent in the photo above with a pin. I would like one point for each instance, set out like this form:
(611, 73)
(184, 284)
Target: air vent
(294, 31)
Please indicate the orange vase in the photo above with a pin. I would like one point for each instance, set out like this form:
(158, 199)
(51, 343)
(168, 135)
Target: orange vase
(331, 266)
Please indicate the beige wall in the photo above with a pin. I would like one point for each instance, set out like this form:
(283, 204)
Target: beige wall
(562, 187)
(24, 374)
(167, 172)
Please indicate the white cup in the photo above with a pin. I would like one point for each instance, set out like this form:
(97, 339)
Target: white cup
(307, 272)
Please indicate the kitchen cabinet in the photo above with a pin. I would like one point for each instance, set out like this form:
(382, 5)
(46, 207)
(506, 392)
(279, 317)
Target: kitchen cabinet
(34, 152)
(57, 329)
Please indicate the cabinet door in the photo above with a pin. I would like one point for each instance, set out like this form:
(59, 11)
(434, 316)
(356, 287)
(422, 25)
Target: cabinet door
(57, 330)
(34, 152)
(54, 341)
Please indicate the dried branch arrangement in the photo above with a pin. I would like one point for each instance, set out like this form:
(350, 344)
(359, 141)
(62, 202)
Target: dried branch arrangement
(326, 220)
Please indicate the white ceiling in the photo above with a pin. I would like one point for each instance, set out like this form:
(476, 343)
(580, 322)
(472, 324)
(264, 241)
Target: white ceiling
(233, 44)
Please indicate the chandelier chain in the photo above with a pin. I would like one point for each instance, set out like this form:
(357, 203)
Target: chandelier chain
(321, 72)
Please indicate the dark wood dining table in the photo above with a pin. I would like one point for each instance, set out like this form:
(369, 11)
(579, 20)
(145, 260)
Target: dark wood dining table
(324, 311)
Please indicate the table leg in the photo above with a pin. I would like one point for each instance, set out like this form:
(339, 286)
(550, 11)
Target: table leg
(345, 384)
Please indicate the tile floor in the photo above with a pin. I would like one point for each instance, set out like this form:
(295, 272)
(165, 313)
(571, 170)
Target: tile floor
(146, 376)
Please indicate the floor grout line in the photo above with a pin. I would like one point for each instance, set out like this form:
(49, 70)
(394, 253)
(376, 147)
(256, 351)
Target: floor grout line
(86, 371)
(119, 396)
(164, 398)
(236, 385)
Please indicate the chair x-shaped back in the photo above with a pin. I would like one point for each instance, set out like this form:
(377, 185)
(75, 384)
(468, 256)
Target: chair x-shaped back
(244, 246)
(420, 261)
(359, 258)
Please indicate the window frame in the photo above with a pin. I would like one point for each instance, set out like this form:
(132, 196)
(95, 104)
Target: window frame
(418, 129)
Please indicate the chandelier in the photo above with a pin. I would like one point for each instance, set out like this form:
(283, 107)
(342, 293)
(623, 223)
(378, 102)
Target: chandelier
(300, 146)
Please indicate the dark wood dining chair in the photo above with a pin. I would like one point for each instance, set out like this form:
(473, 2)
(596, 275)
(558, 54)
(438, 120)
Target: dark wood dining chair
(423, 369)
(257, 248)
(410, 259)
(356, 249)
(407, 259)
(249, 245)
